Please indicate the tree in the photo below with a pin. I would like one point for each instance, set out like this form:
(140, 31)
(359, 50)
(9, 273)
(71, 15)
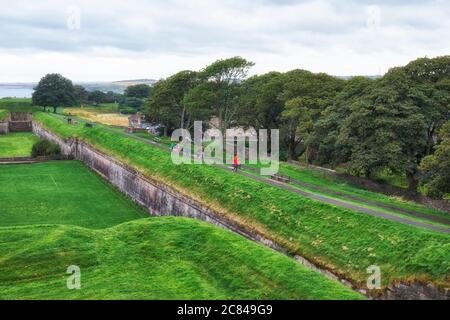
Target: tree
(81, 94)
(260, 105)
(54, 91)
(429, 81)
(385, 130)
(140, 91)
(435, 168)
(326, 131)
(305, 96)
(97, 97)
(222, 80)
(166, 106)
(130, 105)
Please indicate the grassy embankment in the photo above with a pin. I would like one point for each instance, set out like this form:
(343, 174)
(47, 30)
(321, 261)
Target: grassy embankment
(343, 241)
(17, 144)
(335, 187)
(50, 219)
(18, 104)
(3, 114)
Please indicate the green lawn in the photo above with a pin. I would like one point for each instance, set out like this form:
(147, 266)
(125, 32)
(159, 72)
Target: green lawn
(17, 144)
(18, 104)
(332, 183)
(155, 258)
(3, 114)
(63, 192)
(344, 241)
(57, 214)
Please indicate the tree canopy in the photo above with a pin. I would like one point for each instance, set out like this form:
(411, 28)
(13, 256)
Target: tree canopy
(54, 91)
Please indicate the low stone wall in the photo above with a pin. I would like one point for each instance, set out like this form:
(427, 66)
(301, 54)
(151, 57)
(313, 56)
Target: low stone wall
(162, 200)
(20, 122)
(4, 127)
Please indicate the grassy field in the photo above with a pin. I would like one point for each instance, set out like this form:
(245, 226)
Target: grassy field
(155, 258)
(61, 192)
(17, 144)
(341, 240)
(3, 114)
(18, 104)
(104, 114)
(57, 214)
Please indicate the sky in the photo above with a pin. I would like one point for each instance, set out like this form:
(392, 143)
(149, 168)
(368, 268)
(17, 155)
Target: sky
(134, 39)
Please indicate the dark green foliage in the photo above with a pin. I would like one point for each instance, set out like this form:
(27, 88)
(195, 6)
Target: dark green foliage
(81, 94)
(97, 97)
(140, 91)
(130, 105)
(436, 167)
(45, 148)
(54, 91)
(167, 105)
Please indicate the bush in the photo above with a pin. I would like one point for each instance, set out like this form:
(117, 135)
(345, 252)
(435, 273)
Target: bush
(45, 148)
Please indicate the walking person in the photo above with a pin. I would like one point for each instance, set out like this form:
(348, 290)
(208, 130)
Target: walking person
(235, 163)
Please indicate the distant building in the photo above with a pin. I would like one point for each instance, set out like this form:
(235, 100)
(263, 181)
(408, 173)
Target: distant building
(135, 120)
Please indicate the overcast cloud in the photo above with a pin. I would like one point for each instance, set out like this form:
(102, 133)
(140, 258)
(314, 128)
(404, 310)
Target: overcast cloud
(113, 40)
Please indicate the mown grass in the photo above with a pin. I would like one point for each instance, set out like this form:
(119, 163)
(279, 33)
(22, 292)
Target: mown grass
(362, 204)
(4, 114)
(155, 258)
(17, 144)
(324, 180)
(57, 214)
(61, 192)
(18, 104)
(341, 240)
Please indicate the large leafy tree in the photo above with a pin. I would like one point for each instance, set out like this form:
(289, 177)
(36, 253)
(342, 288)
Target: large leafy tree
(166, 106)
(385, 130)
(429, 82)
(260, 105)
(221, 85)
(140, 91)
(54, 91)
(327, 128)
(81, 94)
(436, 167)
(305, 96)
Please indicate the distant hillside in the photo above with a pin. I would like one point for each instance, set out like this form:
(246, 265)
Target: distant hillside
(25, 90)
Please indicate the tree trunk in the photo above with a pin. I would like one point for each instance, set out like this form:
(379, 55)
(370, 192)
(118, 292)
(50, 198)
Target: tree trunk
(413, 182)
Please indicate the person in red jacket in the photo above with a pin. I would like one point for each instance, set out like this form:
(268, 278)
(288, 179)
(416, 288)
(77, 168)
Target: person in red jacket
(235, 162)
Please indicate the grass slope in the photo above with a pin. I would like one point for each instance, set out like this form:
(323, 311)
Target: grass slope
(321, 179)
(154, 258)
(61, 192)
(344, 241)
(17, 144)
(3, 114)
